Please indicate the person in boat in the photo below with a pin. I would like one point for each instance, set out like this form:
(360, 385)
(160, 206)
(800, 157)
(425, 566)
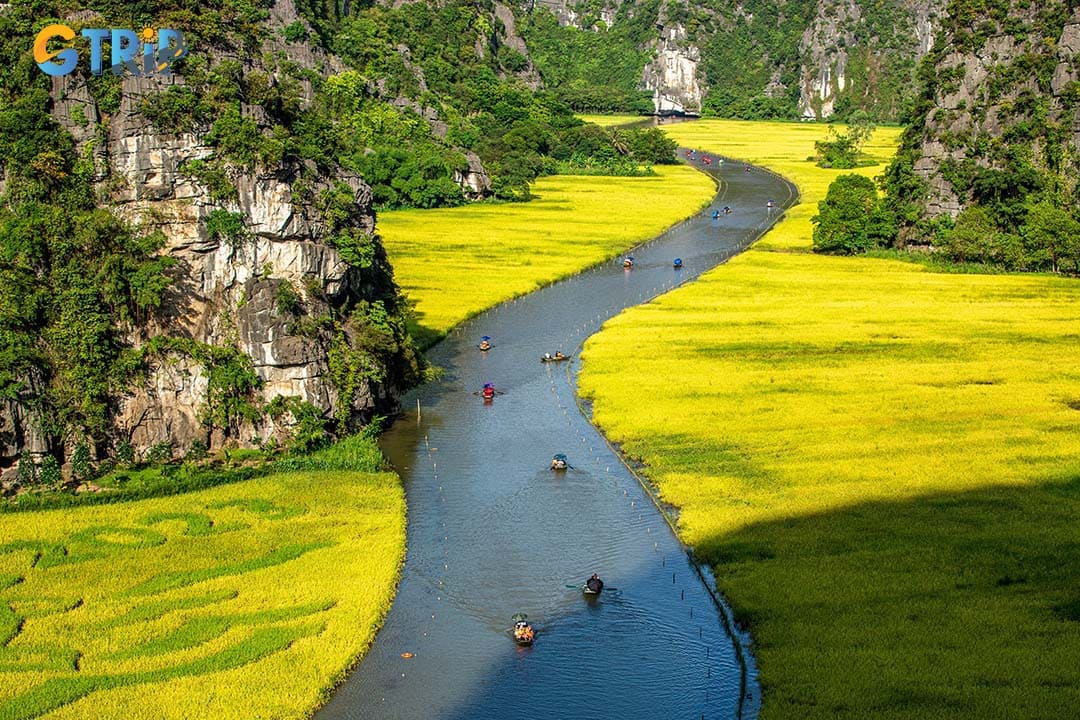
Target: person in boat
(727, 210)
(677, 262)
(485, 343)
(628, 262)
(548, 358)
(523, 632)
(770, 204)
(715, 214)
(594, 584)
(488, 392)
(746, 168)
(558, 462)
(559, 355)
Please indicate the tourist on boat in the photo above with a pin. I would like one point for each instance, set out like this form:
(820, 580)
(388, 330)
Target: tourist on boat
(559, 462)
(523, 633)
(594, 584)
(559, 355)
(715, 214)
(628, 262)
(488, 392)
(485, 343)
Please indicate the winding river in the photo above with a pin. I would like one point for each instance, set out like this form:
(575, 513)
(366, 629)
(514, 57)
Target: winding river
(492, 531)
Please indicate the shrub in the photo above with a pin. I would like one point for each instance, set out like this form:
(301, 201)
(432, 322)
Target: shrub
(296, 32)
(198, 451)
(286, 299)
(851, 219)
(160, 453)
(223, 225)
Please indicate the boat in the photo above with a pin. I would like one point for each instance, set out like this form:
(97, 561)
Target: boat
(677, 263)
(523, 631)
(488, 393)
(557, 357)
(485, 343)
(628, 262)
(559, 462)
(593, 586)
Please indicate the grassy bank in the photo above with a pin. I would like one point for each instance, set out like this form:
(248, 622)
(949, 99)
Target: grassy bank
(245, 600)
(456, 262)
(881, 462)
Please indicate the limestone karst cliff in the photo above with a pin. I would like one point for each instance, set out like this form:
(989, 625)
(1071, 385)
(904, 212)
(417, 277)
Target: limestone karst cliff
(810, 59)
(279, 301)
(997, 117)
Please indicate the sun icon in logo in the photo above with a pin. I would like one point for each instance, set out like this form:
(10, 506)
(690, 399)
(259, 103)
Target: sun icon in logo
(148, 34)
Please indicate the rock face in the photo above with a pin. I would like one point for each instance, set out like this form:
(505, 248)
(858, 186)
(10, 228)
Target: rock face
(1002, 94)
(672, 75)
(226, 292)
(843, 31)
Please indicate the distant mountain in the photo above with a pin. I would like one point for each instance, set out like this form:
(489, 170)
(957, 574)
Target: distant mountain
(753, 59)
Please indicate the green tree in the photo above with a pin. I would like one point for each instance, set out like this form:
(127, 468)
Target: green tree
(851, 218)
(1052, 237)
(973, 238)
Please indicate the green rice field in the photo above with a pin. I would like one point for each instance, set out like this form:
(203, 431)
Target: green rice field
(880, 462)
(248, 600)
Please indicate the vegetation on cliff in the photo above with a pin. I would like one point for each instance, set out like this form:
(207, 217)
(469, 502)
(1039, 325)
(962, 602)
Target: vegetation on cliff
(589, 66)
(757, 58)
(986, 171)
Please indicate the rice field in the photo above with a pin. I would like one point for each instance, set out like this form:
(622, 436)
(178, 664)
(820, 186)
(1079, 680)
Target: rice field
(453, 263)
(882, 464)
(248, 600)
(612, 120)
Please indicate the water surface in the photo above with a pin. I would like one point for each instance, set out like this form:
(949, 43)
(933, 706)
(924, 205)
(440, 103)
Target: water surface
(492, 531)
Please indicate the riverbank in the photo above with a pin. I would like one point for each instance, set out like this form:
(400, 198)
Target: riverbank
(874, 458)
(455, 262)
(246, 600)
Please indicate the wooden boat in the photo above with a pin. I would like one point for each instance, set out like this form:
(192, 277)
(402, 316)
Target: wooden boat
(554, 358)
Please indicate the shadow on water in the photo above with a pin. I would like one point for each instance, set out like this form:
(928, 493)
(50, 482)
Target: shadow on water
(954, 605)
(492, 531)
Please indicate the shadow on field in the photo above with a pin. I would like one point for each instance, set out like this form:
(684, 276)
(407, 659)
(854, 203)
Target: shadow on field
(424, 336)
(961, 605)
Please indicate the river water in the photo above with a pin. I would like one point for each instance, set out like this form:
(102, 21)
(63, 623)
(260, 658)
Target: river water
(492, 531)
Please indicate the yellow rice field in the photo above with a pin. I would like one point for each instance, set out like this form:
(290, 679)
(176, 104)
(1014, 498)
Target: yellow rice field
(882, 464)
(787, 149)
(244, 601)
(612, 120)
(455, 262)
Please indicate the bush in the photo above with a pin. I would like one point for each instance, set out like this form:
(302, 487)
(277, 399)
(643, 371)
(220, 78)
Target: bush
(82, 469)
(851, 218)
(198, 451)
(160, 453)
(286, 299)
(296, 32)
(842, 150)
(223, 225)
(49, 474)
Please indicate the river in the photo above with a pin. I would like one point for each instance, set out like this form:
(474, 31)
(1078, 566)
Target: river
(492, 531)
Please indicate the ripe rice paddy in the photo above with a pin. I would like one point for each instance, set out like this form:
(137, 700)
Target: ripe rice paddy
(881, 463)
(456, 262)
(246, 600)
